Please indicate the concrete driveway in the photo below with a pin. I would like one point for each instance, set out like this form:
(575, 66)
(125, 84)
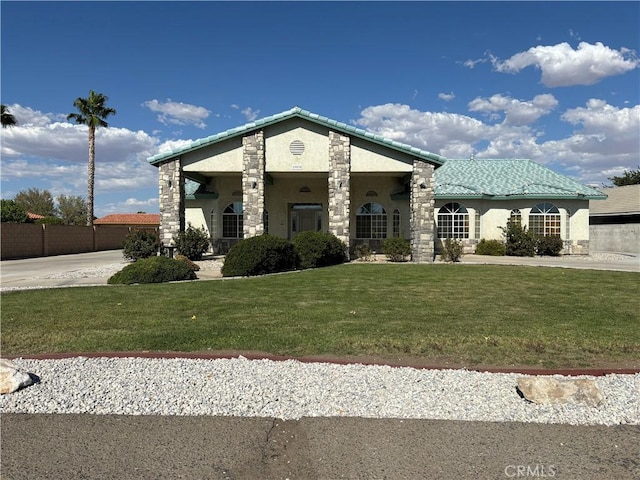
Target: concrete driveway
(55, 271)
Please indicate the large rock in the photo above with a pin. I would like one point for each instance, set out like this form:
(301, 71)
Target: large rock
(12, 378)
(548, 390)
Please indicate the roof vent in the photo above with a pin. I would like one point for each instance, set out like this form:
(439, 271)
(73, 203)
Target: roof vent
(296, 147)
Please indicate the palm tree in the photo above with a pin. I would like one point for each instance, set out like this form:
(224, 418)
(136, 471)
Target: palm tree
(8, 120)
(92, 112)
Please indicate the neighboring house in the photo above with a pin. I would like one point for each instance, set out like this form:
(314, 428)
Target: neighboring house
(298, 171)
(130, 220)
(35, 216)
(614, 225)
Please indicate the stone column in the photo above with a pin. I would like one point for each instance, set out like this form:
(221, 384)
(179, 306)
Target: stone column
(339, 186)
(172, 214)
(422, 207)
(253, 184)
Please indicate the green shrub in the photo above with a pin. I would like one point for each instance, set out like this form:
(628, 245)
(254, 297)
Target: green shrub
(494, 248)
(519, 242)
(549, 246)
(192, 265)
(153, 270)
(319, 249)
(193, 242)
(396, 249)
(258, 256)
(452, 250)
(363, 252)
(140, 244)
(10, 211)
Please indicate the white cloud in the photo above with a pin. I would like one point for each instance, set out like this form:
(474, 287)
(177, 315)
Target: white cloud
(448, 134)
(131, 205)
(447, 97)
(606, 131)
(250, 114)
(516, 112)
(563, 66)
(606, 138)
(178, 113)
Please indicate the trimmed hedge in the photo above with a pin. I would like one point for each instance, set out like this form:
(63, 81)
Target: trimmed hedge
(153, 270)
(319, 249)
(494, 248)
(258, 256)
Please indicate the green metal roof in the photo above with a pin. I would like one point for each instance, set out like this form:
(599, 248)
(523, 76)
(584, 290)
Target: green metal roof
(504, 179)
(300, 113)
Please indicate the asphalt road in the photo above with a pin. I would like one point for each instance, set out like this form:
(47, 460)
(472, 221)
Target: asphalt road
(151, 447)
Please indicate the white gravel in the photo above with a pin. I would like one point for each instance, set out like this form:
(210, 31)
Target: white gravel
(291, 390)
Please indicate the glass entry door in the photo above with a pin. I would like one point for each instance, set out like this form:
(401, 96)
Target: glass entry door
(304, 217)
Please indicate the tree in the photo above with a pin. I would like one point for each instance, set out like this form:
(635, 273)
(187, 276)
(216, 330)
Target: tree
(631, 177)
(37, 201)
(12, 212)
(92, 112)
(72, 210)
(8, 120)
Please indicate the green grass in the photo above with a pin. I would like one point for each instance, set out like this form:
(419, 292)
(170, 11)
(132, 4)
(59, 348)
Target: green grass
(463, 314)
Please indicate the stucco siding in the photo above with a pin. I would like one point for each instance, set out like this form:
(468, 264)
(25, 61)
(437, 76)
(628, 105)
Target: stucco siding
(315, 141)
(368, 157)
(220, 157)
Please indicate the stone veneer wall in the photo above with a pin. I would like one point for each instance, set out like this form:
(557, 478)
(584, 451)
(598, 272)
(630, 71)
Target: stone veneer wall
(172, 211)
(422, 208)
(253, 184)
(339, 186)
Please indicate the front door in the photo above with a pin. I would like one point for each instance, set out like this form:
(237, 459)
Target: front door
(304, 217)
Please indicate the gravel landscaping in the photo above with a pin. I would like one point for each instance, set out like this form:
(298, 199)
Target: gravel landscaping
(292, 390)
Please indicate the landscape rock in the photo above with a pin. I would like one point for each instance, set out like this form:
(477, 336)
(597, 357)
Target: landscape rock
(548, 390)
(12, 378)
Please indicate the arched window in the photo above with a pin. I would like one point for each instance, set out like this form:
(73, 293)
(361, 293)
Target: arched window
(453, 221)
(515, 217)
(371, 221)
(544, 220)
(396, 223)
(232, 220)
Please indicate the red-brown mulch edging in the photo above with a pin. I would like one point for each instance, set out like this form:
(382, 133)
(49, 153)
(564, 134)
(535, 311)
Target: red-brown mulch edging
(335, 360)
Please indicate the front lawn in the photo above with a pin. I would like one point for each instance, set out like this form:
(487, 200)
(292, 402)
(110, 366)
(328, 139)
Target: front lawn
(462, 314)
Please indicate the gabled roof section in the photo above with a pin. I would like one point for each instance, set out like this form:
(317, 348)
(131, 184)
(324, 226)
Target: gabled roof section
(297, 112)
(129, 219)
(504, 179)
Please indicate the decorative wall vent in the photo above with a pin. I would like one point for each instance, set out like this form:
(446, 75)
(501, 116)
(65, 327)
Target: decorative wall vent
(305, 189)
(296, 147)
(372, 193)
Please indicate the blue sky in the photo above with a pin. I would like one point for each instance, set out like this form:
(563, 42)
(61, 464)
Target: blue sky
(555, 82)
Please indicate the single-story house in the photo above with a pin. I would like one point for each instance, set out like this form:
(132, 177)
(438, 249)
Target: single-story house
(614, 225)
(298, 171)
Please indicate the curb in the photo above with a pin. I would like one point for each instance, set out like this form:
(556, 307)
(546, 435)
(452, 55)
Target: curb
(596, 372)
